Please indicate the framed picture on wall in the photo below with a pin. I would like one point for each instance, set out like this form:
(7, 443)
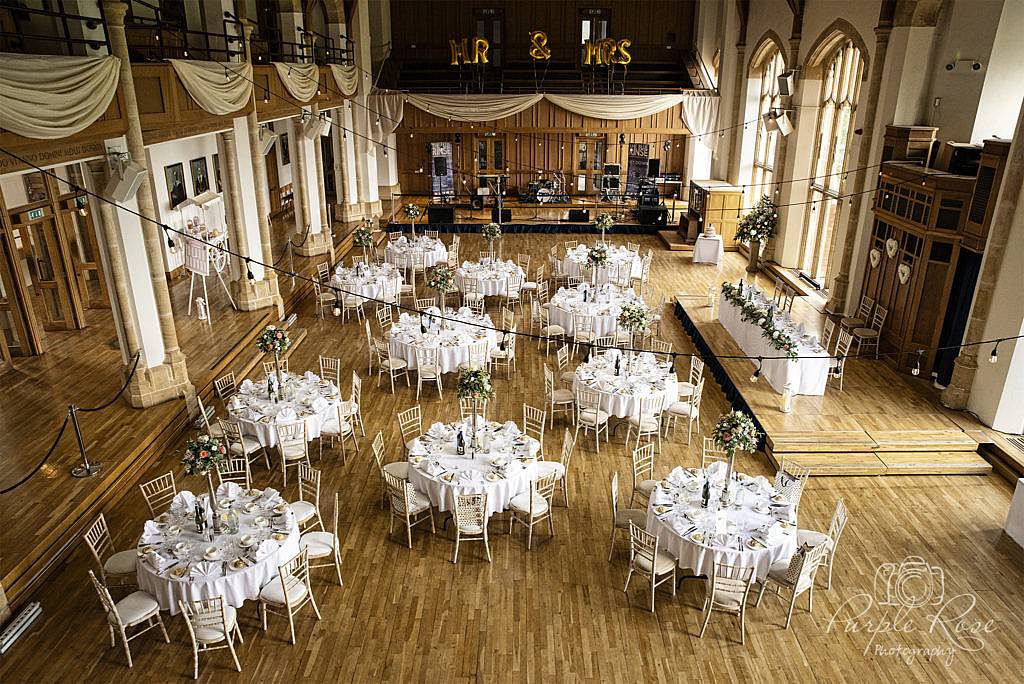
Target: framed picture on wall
(216, 173)
(200, 176)
(285, 154)
(175, 177)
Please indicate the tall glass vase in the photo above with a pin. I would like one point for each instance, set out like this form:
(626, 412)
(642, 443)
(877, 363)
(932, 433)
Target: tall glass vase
(277, 373)
(213, 504)
(474, 443)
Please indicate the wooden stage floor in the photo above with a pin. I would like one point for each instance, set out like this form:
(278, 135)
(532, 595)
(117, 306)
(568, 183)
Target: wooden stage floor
(557, 612)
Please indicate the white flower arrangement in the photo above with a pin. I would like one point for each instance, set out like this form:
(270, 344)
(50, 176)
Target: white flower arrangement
(735, 431)
(273, 340)
(598, 255)
(759, 223)
(604, 221)
(475, 383)
(634, 317)
(363, 237)
(411, 211)
(491, 232)
(442, 279)
(762, 318)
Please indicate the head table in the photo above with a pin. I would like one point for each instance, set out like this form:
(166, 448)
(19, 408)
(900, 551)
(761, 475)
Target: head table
(368, 280)
(757, 531)
(503, 466)
(621, 261)
(641, 378)
(305, 397)
(453, 341)
(398, 252)
(492, 275)
(177, 563)
(603, 302)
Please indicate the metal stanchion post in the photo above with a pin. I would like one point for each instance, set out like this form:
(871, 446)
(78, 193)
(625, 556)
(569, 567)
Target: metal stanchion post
(85, 469)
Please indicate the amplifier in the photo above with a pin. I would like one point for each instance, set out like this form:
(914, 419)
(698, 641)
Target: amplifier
(653, 216)
(506, 215)
(579, 215)
(440, 214)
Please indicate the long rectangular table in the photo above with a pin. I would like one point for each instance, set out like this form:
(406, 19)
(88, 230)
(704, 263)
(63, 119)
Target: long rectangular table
(804, 375)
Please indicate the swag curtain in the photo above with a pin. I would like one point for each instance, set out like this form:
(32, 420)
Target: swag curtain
(300, 80)
(48, 97)
(219, 88)
(347, 78)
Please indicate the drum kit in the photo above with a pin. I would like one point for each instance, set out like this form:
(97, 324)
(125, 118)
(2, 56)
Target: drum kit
(547, 190)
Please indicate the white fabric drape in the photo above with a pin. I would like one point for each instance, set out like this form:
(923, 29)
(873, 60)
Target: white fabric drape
(700, 114)
(219, 88)
(614, 107)
(386, 111)
(48, 97)
(473, 108)
(347, 78)
(300, 80)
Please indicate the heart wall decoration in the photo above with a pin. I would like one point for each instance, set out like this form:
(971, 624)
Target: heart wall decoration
(891, 247)
(875, 257)
(903, 273)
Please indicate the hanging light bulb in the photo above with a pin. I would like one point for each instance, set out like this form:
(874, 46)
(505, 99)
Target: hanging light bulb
(385, 152)
(337, 304)
(757, 373)
(994, 356)
(410, 134)
(248, 270)
(916, 370)
(170, 242)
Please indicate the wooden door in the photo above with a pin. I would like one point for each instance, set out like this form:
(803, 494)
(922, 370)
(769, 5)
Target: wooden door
(75, 221)
(273, 183)
(20, 332)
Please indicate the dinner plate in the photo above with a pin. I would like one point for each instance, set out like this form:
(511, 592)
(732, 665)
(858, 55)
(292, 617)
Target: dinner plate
(279, 536)
(778, 498)
(493, 477)
(146, 549)
(212, 556)
(661, 509)
(237, 564)
(179, 572)
(280, 508)
(697, 537)
(448, 477)
(753, 544)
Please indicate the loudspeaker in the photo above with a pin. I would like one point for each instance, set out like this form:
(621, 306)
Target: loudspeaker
(267, 139)
(653, 216)
(506, 215)
(653, 168)
(440, 166)
(440, 214)
(123, 186)
(786, 82)
(611, 170)
(784, 124)
(315, 126)
(579, 215)
(458, 138)
(477, 202)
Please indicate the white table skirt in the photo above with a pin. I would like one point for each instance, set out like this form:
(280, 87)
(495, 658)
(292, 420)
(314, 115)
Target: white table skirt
(1015, 518)
(236, 587)
(432, 256)
(575, 261)
(492, 286)
(265, 430)
(805, 375)
(626, 405)
(708, 250)
(603, 325)
(700, 557)
(369, 289)
(449, 358)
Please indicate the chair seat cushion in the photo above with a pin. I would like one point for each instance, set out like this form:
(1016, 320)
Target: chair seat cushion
(631, 515)
(292, 452)
(420, 503)
(685, 389)
(135, 607)
(471, 528)
(121, 563)
(645, 487)
(303, 510)
(427, 371)
(851, 322)
(645, 424)
(215, 430)
(562, 396)
(547, 467)
(812, 538)
(349, 408)
(331, 427)
(395, 364)
(500, 354)
(211, 635)
(248, 445)
(398, 469)
(865, 332)
(584, 335)
(663, 562)
(274, 593)
(728, 599)
(529, 285)
(568, 377)
(521, 504)
(318, 544)
(680, 408)
(552, 330)
(593, 416)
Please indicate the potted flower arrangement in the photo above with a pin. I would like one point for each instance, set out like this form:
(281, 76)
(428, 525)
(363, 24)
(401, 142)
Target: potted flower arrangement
(202, 456)
(442, 279)
(274, 340)
(735, 431)
(756, 227)
(475, 384)
(604, 222)
(363, 237)
(491, 232)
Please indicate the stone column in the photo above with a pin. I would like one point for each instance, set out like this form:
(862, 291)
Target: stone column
(168, 380)
(322, 241)
(242, 289)
(956, 395)
(841, 283)
(782, 147)
(366, 153)
(736, 141)
(299, 180)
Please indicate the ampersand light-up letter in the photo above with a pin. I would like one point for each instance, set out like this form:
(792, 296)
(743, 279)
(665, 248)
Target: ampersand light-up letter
(539, 49)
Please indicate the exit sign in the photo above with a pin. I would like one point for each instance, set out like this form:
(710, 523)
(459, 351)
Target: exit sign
(35, 214)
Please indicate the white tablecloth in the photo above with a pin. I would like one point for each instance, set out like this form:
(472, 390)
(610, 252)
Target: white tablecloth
(621, 394)
(503, 467)
(805, 375)
(306, 397)
(603, 302)
(433, 250)
(493, 277)
(453, 342)
(708, 250)
(367, 281)
(619, 259)
(236, 585)
(1015, 518)
(675, 515)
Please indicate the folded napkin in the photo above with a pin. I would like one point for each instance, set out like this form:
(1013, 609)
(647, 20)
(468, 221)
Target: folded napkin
(229, 490)
(660, 497)
(247, 386)
(310, 376)
(678, 476)
(286, 415)
(265, 549)
(437, 431)
(510, 428)
(270, 494)
(159, 562)
(464, 311)
(253, 414)
(716, 471)
(470, 476)
(151, 532)
(333, 388)
(320, 404)
(402, 240)
(762, 483)
(207, 569)
(234, 403)
(183, 501)
(285, 521)
(432, 468)
(681, 525)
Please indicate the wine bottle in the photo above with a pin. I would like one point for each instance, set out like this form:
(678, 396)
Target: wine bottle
(617, 366)
(199, 517)
(460, 444)
(706, 496)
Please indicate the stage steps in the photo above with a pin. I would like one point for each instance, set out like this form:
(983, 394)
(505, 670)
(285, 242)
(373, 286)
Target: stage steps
(674, 241)
(825, 464)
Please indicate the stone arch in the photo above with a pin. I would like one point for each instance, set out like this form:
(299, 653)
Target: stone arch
(764, 47)
(832, 37)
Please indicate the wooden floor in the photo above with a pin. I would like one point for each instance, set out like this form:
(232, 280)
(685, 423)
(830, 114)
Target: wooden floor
(557, 612)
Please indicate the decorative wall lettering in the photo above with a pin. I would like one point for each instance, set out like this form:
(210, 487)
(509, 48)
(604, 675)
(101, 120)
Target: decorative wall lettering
(539, 49)
(460, 51)
(607, 51)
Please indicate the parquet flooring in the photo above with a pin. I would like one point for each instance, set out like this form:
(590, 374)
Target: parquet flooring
(557, 612)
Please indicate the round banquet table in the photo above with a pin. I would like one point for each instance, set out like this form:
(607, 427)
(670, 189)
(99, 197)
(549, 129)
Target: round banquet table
(759, 530)
(620, 394)
(235, 573)
(366, 280)
(619, 259)
(306, 397)
(503, 467)
(452, 342)
(493, 276)
(433, 250)
(603, 302)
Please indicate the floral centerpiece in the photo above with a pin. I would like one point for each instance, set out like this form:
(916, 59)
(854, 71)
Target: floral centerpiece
(763, 317)
(412, 211)
(363, 237)
(491, 232)
(604, 222)
(634, 317)
(756, 227)
(202, 456)
(598, 255)
(475, 384)
(274, 340)
(442, 279)
(735, 431)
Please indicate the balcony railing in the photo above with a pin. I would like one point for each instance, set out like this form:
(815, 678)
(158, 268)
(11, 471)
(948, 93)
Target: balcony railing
(40, 30)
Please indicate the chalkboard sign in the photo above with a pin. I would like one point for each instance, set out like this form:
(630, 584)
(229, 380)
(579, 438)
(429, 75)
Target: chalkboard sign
(442, 180)
(636, 168)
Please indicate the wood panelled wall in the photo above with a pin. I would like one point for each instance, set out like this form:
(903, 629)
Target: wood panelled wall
(542, 137)
(652, 25)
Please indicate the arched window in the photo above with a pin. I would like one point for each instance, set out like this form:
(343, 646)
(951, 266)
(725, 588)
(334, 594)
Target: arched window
(766, 141)
(840, 87)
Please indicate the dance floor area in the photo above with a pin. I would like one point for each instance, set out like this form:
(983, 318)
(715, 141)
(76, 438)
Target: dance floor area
(558, 610)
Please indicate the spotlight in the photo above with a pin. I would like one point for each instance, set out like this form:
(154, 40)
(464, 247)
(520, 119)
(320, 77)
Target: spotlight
(622, 138)
(994, 356)
(757, 373)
